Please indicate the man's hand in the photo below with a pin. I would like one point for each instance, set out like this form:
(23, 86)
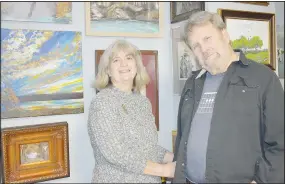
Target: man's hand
(253, 181)
(169, 169)
(169, 156)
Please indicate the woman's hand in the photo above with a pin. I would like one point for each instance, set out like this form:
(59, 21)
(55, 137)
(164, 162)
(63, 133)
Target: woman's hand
(169, 156)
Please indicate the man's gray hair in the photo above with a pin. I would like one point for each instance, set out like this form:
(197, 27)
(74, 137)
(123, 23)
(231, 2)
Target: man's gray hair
(201, 18)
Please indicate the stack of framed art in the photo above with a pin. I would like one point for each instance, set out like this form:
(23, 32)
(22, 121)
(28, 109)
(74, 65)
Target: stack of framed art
(41, 75)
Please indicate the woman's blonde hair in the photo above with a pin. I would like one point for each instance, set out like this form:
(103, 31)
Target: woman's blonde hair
(102, 78)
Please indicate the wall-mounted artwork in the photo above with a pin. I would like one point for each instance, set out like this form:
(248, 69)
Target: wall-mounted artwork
(35, 153)
(182, 10)
(41, 73)
(130, 19)
(261, 3)
(280, 31)
(49, 12)
(150, 60)
(184, 61)
(253, 33)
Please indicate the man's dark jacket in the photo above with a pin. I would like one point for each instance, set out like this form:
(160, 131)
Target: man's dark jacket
(246, 138)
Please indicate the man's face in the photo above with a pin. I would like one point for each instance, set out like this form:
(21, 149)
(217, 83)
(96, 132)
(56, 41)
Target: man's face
(210, 45)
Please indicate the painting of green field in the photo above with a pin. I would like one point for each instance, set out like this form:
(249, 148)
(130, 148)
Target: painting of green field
(251, 37)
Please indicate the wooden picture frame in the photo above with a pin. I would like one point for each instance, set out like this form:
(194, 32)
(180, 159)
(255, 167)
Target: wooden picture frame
(174, 136)
(150, 61)
(189, 6)
(35, 153)
(148, 26)
(261, 3)
(253, 33)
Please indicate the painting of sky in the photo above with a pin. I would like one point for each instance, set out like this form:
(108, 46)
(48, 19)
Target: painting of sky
(41, 73)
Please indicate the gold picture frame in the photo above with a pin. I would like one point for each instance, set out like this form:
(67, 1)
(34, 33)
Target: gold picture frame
(254, 34)
(111, 26)
(174, 136)
(35, 153)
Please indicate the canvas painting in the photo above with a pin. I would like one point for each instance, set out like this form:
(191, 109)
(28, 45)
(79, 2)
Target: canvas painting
(142, 19)
(41, 73)
(36, 152)
(182, 10)
(253, 39)
(48, 12)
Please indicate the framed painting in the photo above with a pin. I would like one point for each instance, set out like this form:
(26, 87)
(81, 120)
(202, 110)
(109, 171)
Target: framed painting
(48, 12)
(253, 33)
(182, 10)
(262, 3)
(184, 61)
(35, 153)
(280, 32)
(41, 73)
(150, 60)
(128, 19)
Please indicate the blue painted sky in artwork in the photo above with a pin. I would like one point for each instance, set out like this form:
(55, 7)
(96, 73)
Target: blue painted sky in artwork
(28, 84)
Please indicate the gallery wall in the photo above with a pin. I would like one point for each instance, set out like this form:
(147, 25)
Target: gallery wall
(80, 151)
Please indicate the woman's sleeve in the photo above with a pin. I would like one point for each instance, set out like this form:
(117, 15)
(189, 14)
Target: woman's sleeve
(107, 131)
(157, 151)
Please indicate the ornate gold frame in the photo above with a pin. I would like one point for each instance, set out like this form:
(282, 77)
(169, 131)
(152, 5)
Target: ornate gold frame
(55, 166)
(256, 16)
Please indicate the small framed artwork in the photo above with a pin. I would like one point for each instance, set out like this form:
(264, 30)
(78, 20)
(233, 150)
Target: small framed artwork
(262, 3)
(150, 60)
(174, 136)
(182, 10)
(35, 153)
(253, 33)
(184, 61)
(128, 19)
(46, 12)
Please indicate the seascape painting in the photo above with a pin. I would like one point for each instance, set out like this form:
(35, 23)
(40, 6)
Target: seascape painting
(252, 37)
(48, 12)
(41, 73)
(123, 18)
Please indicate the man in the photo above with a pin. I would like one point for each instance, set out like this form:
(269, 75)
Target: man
(231, 113)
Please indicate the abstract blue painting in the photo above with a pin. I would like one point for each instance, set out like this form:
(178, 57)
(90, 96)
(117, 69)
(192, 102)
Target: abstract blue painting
(41, 73)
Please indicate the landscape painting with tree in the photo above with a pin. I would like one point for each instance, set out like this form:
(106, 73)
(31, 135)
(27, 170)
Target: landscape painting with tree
(252, 37)
(141, 19)
(41, 73)
(253, 33)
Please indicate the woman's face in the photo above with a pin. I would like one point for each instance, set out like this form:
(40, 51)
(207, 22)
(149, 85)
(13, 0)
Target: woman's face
(122, 69)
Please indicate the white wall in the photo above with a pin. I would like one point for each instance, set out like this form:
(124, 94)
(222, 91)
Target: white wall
(81, 153)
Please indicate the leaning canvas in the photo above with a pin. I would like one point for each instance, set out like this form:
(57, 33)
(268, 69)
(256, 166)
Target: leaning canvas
(41, 73)
(49, 12)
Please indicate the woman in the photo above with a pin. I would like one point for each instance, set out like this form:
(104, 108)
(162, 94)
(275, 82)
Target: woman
(121, 124)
